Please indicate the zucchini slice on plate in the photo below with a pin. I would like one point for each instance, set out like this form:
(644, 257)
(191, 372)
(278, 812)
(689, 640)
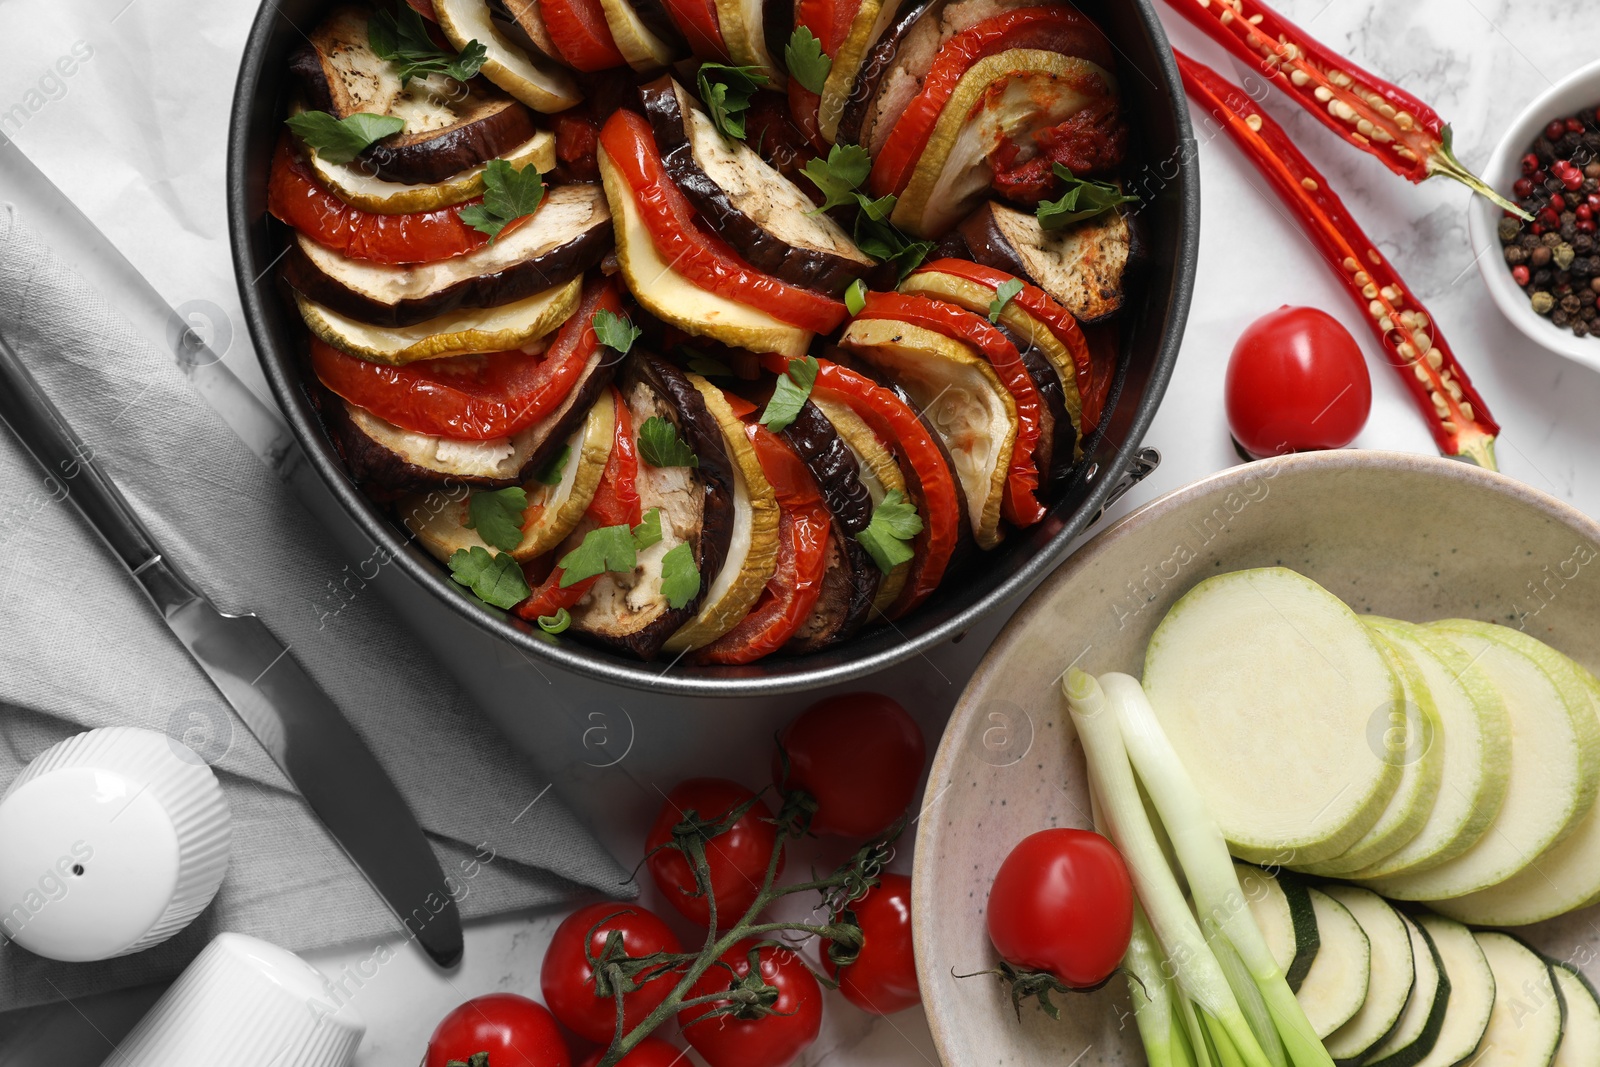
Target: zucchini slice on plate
(439, 518)
(570, 233)
(1580, 1017)
(542, 85)
(1336, 985)
(1472, 992)
(1525, 1025)
(881, 475)
(361, 189)
(455, 333)
(1281, 906)
(1082, 265)
(1417, 1031)
(960, 396)
(1392, 974)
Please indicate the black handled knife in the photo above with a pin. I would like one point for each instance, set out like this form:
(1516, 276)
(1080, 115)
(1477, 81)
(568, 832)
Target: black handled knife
(283, 706)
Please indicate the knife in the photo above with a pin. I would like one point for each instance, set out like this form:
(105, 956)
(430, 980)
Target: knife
(295, 721)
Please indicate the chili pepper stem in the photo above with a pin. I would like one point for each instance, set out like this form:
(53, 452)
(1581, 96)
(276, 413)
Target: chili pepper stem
(1443, 161)
(1479, 449)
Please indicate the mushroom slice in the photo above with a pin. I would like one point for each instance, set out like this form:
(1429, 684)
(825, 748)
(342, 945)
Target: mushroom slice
(540, 84)
(1082, 266)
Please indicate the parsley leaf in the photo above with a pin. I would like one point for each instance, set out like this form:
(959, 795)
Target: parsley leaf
(615, 331)
(840, 175)
(1002, 297)
(496, 580)
(341, 140)
(648, 532)
(1084, 199)
(882, 240)
(794, 386)
(807, 65)
(497, 516)
(508, 194)
(680, 578)
(610, 548)
(894, 523)
(554, 468)
(401, 37)
(855, 297)
(660, 445)
(557, 623)
(727, 91)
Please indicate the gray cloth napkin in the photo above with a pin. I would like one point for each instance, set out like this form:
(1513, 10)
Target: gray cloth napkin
(80, 647)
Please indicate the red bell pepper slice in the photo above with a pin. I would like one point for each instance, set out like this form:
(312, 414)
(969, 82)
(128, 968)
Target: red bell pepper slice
(1021, 503)
(930, 483)
(579, 30)
(700, 257)
(697, 21)
(294, 196)
(1050, 29)
(804, 523)
(472, 398)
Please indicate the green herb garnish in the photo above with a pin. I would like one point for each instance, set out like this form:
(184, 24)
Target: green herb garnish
(726, 91)
(887, 537)
(840, 175)
(648, 532)
(680, 578)
(1084, 199)
(401, 37)
(610, 548)
(790, 394)
(557, 623)
(552, 470)
(497, 516)
(508, 195)
(803, 56)
(1002, 297)
(496, 580)
(660, 445)
(341, 140)
(855, 297)
(615, 331)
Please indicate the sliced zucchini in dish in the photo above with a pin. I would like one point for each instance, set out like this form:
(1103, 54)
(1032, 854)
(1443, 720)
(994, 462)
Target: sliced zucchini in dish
(439, 518)
(1580, 1017)
(644, 48)
(670, 297)
(1417, 1031)
(447, 129)
(872, 20)
(752, 554)
(1059, 448)
(960, 396)
(1336, 985)
(358, 188)
(743, 26)
(629, 611)
(459, 333)
(1002, 98)
(540, 84)
(758, 211)
(1392, 974)
(880, 474)
(570, 233)
(1472, 991)
(1281, 907)
(1082, 266)
(1525, 1024)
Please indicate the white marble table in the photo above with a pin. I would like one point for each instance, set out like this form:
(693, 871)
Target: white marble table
(135, 138)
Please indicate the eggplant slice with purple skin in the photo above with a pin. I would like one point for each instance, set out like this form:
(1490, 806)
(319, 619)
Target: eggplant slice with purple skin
(1083, 266)
(570, 233)
(1058, 436)
(628, 612)
(762, 214)
(447, 130)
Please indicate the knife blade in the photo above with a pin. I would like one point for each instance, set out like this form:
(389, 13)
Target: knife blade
(283, 706)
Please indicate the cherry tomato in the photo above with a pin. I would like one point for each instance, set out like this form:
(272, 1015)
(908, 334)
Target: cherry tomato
(1063, 903)
(737, 858)
(513, 1030)
(859, 756)
(883, 976)
(1297, 382)
(651, 1052)
(567, 980)
(769, 1040)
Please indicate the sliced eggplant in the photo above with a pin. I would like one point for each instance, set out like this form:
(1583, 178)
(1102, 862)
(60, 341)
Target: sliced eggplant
(381, 454)
(1082, 266)
(880, 474)
(1002, 99)
(449, 127)
(755, 209)
(960, 396)
(628, 612)
(459, 333)
(1057, 453)
(752, 554)
(570, 233)
(539, 83)
(439, 517)
(668, 296)
(358, 188)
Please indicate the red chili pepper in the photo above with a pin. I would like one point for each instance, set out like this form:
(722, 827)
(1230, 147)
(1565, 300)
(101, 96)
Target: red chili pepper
(804, 523)
(580, 33)
(1456, 414)
(701, 258)
(1021, 503)
(1380, 118)
(930, 484)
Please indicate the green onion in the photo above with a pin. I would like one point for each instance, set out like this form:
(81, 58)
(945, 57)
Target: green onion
(1151, 991)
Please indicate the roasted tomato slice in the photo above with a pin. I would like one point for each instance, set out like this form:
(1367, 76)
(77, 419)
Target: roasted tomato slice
(697, 21)
(700, 257)
(804, 522)
(1021, 504)
(1050, 29)
(580, 33)
(296, 197)
(472, 398)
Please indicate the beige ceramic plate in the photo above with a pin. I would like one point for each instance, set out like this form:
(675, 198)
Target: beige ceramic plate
(1402, 535)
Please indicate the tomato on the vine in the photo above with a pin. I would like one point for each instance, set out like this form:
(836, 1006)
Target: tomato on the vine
(859, 756)
(651, 1052)
(883, 976)
(513, 1030)
(737, 858)
(1062, 903)
(568, 981)
(1296, 382)
(790, 993)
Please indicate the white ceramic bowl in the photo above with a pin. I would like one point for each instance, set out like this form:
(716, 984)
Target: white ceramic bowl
(1572, 94)
(1411, 537)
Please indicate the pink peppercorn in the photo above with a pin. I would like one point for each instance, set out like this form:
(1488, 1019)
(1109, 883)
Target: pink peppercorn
(1521, 275)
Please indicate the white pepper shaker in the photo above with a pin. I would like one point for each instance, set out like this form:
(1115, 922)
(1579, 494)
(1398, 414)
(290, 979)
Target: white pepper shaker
(110, 842)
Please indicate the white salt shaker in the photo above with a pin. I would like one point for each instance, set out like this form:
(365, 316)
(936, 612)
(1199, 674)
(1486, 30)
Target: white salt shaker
(110, 842)
(244, 1002)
